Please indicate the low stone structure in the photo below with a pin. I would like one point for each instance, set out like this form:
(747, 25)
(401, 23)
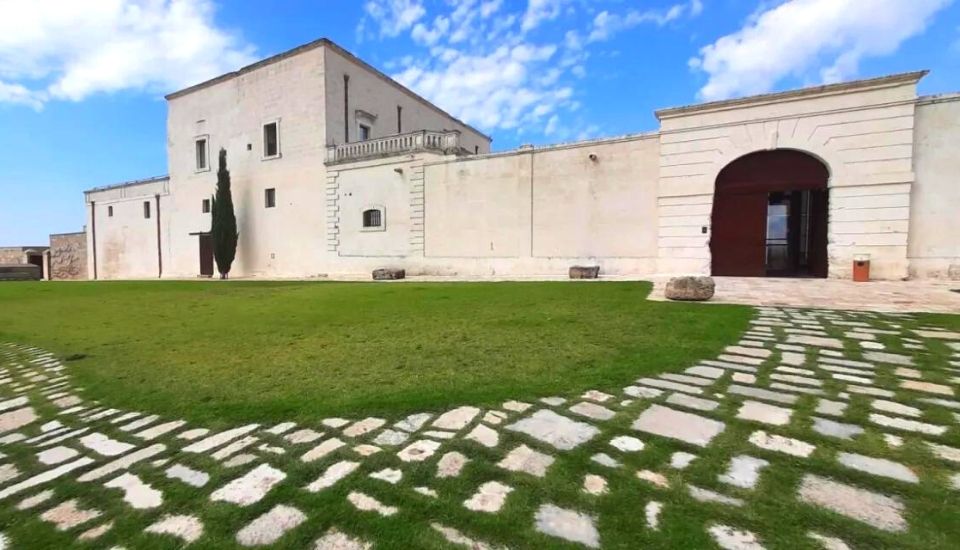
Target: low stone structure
(20, 272)
(690, 288)
(585, 272)
(68, 256)
(388, 274)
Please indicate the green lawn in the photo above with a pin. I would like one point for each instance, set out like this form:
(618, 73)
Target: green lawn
(234, 351)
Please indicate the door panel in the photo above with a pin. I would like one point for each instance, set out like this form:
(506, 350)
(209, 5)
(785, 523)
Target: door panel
(206, 256)
(738, 242)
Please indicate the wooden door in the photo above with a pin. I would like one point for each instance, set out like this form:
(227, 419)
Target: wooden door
(206, 255)
(738, 241)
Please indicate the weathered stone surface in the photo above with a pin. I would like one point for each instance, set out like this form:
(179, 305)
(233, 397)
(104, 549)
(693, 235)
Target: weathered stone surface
(485, 436)
(332, 475)
(878, 467)
(652, 514)
(594, 485)
(44, 477)
(760, 393)
(566, 524)
(389, 274)
(683, 426)
(690, 288)
(928, 387)
(706, 495)
(627, 444)
(691, 402)
(890, 358)
(907, 425)
(828, 543)
(592, 410)
(781, 444)
(584, 271)
(832, 408)
(390, 475)
(451, 464)
(56, 455)
(366, 503)
(490, 497)
(744, 471)
(839, 430)
(364, 427)
(240, 460)
(69, 515)
(186, 528)
(680, 460)
(271, 526)
(123, 462)
(391, 437)
(729, 538)
(335, 540)
(14, 420)
(322, 450)
(418, 451)
(554, 429)
(35, 500)
(413, 422)
(96, 532)
(456, 419)
(222, 438)
(654, 478)
(305, 435)
(879, 511)
(604, 459)
(524, 459)
(187, 475)
(251, 487)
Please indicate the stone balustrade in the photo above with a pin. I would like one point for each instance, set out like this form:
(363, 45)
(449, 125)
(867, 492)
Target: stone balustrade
(424, 140)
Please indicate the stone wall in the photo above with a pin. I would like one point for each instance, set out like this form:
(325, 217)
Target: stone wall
(68, 256)
(11, 255)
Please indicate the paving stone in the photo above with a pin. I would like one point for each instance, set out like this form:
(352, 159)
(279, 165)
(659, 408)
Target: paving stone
(705, 495)
(793, 370)
(867, 390)
(123, 463)
(654, 478)
(793, 359)
(706, 372)
(556, 430)
(440, 434)
(367, 503)
(322, 450)
(744, 471)
(364, 427)
(14, 420)
(642, 392)
(137, 424)
(8, 472)
(687, 379)
(751, 352)
(137, 494)
(233, 448)
(35, 500)
(186, 528)
(781, 444)
(907, 425)
(44, 477)
(366, 450)
(222, 438)
(946, 453)
(760, 393)
(524, 459)
(890, 358)
(627, 444)
(592, 410)
(955, 482)
(335, 423)
(896, 408)
(832, 408)
(459, 539)
(391, 437)
(69, 514)
(652, 514)
(878, 467)
(418, 451)
(893, 441)
(494, 417)
(413, 422)
(490, 497)
(680, 460)
(193, 434)
(251, 487)
(729, 538)
(604, 459)
(56, 455)
(874, 509)
(553, 401)
(240, 460)
(13, 403)
(568, 525)
(456, 419)
(744, 378)
(594, 485)
(668, 385)
(390, 475)
(152, 433)
(595, 395)
(794, 379)
(96, 532)
(335, 540)
(816, 341)
(904, 372)
(426, 491)
(762, 412)
(830, 428)
(305, 435)
(271, 526)
(332, 475)
(272, 449)
(828, 543)
(682, 426)
(740, 359)
(451, 464)
(927, 387)
(282, 428)
(187, 475)
(691, 402)
(484, 436)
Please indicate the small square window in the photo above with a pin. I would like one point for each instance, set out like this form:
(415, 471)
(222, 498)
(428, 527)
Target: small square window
(372, 218)
(271, 140)
(205, 206)
(270, 198)
(146, 209)
(109, 211)
(201, 151)
(364, 132)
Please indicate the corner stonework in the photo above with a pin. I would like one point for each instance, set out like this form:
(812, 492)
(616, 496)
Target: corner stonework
(333, 212)
(417, 195)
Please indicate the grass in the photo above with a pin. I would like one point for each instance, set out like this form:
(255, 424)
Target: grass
(213, 351)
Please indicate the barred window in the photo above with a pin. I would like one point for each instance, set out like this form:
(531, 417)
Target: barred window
(372, 218)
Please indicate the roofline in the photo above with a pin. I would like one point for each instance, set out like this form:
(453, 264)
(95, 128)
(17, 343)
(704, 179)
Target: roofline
(312, 46)
(938, 98)
(827, 89)
(130, 183)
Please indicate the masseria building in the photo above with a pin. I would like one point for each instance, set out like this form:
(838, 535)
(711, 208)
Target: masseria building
(338, 170)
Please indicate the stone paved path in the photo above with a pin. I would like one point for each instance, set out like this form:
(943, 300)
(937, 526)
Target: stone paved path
(82, 468)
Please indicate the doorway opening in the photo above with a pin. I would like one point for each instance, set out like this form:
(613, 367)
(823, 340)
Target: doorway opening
(770, 216)
(206, 254)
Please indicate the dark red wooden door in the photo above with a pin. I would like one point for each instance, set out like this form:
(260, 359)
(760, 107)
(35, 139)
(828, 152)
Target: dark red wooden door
(738, 242)
(206, 256)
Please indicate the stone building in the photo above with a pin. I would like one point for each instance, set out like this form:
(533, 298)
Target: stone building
(23, 255)
(67, 257)
(338, 170)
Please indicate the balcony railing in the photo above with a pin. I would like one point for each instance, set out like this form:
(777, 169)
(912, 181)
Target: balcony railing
(398, 144)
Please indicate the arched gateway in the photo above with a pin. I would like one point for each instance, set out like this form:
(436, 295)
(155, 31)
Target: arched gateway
(770, 216)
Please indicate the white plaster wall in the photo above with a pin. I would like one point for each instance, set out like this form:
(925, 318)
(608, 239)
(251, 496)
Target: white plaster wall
(380, 96)
(864, 133)
(126, 243)
(934, 245)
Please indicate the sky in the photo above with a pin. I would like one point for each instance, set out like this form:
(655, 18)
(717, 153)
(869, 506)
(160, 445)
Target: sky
(82, 82)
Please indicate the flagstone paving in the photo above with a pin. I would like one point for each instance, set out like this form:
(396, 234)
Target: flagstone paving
(854, 431)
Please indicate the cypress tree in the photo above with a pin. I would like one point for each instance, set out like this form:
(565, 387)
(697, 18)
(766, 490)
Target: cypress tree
(224, 224)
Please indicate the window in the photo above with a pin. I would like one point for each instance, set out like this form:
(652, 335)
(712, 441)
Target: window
(271, 140)
(372, 218)
(146, 209)
(270, 198)
(205, 206)
(364, 132)
(201, 150)
(109, 211)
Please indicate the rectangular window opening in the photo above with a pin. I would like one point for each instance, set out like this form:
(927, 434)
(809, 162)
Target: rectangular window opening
(146, 209)
(201, 150)
(270, 198)
(271, 140)
(364, 132)
(109, 211)
(205, 206)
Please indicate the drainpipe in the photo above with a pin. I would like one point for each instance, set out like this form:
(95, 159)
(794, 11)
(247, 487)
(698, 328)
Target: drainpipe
(159, 251)
(93, 227)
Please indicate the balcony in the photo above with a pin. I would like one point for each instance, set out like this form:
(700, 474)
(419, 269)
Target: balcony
(446, 143)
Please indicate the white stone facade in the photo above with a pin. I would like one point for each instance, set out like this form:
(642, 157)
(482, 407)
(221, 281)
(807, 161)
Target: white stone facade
(635, 205)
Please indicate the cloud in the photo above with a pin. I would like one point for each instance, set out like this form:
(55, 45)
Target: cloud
(798, 38)
(394, 16)
(539, 11)
(607, 24)
(64, 49)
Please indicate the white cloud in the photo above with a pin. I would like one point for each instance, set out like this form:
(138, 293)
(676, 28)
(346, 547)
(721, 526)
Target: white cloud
(539, 11)
(430, 36)
(394, 16)
(607, 24)
(64, 49)
(801, 37)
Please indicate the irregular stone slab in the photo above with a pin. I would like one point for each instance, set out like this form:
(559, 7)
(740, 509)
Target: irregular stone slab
(878, 467)
(391, 437)
(332, 475)
(186, 528)
(804, 380)
(946, 453)
(322, 450)
(828, 543)
(366, 503)
(652, 513)
(69, 515)
(879, 511)
(706, 372)
(456, 419)
(44, 477)
(451, 464)
(390, 475)
(136, 493)
(627, 444)
(907, 425)
(604, 459)
(594, 485)
(890, 358)
(740, 359)
(366, 450)
(760, 393)
(687, 379)
(494, 417)
(592, 410)
(137, 424)
(123, 463)
(216, 440)
(195, 433)
(305, 435)
(904, 372)
(426, 491)
(927, 387)
(13, 403)
(14, 420)
(157, 431)
(744, 378)
(240, 460)
(655, 478)
(869, 390)
(413, 422)
(56, 455)
(282, 428)
(335, 540)
(793, 359)
(364, 427)
(187, 475)
(233, 448)
(781, 444)
(271, 526)
(729, 538)
(556, 430)
(752, 352)
(439, 434)
(35, 500)
(524, 459)
(96, 532)
(686, 427)
(832, 408)
(762, 412)
(680, 460)
(705, 495)
(457, 538)
(490, 497)
(9, 471)
(568, 525)
(335, 423)
(830, 428)
(251, 487)
(669, 385)
(484, 436)
(893, 441)
(418, 451)
(690, 402)
(744, 471)
(817, 341)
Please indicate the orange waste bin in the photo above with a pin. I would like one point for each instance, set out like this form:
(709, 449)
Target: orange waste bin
(861, 268)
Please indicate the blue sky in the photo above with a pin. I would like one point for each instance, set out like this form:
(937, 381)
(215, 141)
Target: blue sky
(82, 83)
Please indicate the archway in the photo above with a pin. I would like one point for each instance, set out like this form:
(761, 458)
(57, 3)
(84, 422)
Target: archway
(770, 216)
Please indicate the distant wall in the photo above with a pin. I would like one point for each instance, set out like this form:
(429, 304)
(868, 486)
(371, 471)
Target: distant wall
(68, 256)
(12, 255)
